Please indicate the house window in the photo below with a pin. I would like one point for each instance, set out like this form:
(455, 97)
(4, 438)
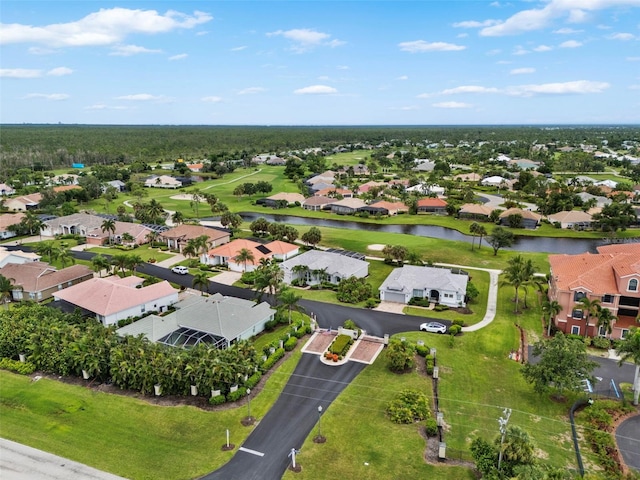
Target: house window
(418, 293)
(607, 298)
(448, 295)
(578, 296)
(575, 330)
(143, 308)
(576, 314)
(602, 332)
(624, 333)
(633, 285)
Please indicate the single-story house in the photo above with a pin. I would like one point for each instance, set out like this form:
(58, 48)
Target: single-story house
(424, 165)
(225, 254)
(426, 189)
(600, 200)
(383, 207)
(266, 158)
(290, 198)
(6, 190)
(346, 206)
(283, 250)
(324, 177)
(195, 167)
(317, 203)
(66, 188)
(113, 298)
(439, 285)
(321, 187)
(607, 183)
(432, 205)
(162, 181)
(17, 256)
(365, 187)
(575, 219)
(315, 266)
(358, 170)
(23, 203)
(38, 280)
(65, 179)
(276, 161)
(529, 218)
(119, 185)
(495, 181)
(6, 221)
(215, 320)
(90, 227)
(178, 237)
(474, 211)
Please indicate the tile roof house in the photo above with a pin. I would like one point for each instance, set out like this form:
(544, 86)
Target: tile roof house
(24, 202)
(365, 187)
(6, 190)
(162, 181)
(529, 218)
(195, 167)
(38, 280)
(474, 211)
(90, 227)
(6, 220)
(317, 203)
(177, 237)
(611, 276)
(347, 206)
(17, 256)
(290, 198)
(383, 207)
(432, 205)
(215, 320)
(325, 177)
(315, 266)
(496, 181)
(225, 254)
(575, 219)
(114, 298)
(599, 199)
(439, 285)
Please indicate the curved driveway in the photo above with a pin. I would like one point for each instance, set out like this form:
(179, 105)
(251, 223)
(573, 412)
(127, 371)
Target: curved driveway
(628, 438)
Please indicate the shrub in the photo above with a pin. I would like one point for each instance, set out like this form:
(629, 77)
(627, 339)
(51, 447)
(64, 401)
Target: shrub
(353, 290)
(237, 395)
(253, 380)
(350, 324)
(341, 344)
(441, 308)
(431, 427)
(290, 344)
(455, 329)
(429, 362)
(422, 350)
(408, 407)
(459, 321)
(371, 302)
(217, 400)
(601, 342)
(419, 302)
(270, 325)
(271, 361)
(23, 368)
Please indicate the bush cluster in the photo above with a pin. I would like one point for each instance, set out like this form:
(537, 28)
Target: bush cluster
(353, 290)
(253, 380)
(290, 344)
(341, 344)
(601, 342)
(458, 321)
(422, 350)
(217, 400)
(419, 302)
(237, 395)
(440, 308)
(408, 407)
(23, 368)
(271, 361)
(431, 427)
(429, 363)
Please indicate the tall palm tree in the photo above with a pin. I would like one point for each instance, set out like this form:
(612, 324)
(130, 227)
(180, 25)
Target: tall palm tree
(177, 218)
(152, 236)
(120, 262)
(64, 255)
(481, 231)
(244, 256)
(196, 198)
(127, 238)
(190, 249)
(514, 273)
(473, 228)
(551, 308)
(289, 300)
(529, 277)
(201, 281)
(48, 249)
(606, 319)
(590, 308)
(6, 288)
(202, 244)
(629, 350)
(133, 262)
(99, 263)
(33, 223)
(109, 225)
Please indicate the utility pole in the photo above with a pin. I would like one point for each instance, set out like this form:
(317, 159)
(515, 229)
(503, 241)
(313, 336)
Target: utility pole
(503, 421)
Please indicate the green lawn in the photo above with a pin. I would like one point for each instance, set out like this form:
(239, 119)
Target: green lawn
(126, 436)
(144, 251)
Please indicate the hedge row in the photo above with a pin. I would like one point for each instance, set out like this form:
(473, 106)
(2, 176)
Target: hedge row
(271, 361)
(341, 344)
(23, 368)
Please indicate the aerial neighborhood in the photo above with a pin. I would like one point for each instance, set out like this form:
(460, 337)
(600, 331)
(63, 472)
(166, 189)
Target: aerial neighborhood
(426, 283)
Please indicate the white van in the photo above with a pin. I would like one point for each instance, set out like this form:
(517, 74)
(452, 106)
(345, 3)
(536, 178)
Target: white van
(180, 270)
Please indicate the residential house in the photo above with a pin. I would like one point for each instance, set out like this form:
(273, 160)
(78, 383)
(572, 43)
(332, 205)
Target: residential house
(439, 285)
(162, 181)
(317, 203)
(39, 281)
(23, 202)
(383, 207)
(66, 188)
(65, 179)
(226, 254)
(6, 190)
(266, 158)
(347, 206)
(426, 189)
(496, 181)
(574, 219)
(432, 205)
(17, 256)
(282, 250)
(424, 166)
(178, 237)
(276, 161)
(195, 167)
(357, 170)
(7, 220)
(215, 320)
(468, 177)
(289, 198)
(611, 276)
(315, 266)
(119, 185)
(333, 192)
(365, 187)
(325, 177)
(90, 227)
(475, 211)
(529, 218)
(599, 200)
(113, 298)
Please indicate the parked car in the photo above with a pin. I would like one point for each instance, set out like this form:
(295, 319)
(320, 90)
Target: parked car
(180, 270)
(433, 327)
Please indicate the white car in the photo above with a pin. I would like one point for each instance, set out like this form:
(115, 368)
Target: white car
(433, 327)
(180, 270)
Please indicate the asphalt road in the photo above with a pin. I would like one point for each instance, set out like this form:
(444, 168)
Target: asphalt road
(264, 455)
(628, 438)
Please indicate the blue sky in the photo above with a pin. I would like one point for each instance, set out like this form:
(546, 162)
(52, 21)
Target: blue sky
(320, 62)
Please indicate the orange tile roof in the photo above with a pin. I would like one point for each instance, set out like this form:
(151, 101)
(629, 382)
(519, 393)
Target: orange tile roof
(279, 247)
(188, 232)
(9, 219)
(230, 250)
(518, 211)
(64, 188)
(431, 202)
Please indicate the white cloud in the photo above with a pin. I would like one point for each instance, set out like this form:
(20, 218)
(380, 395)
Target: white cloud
(402, 77)
(304, 39)
(406, 108)
(419, 46)
(542, 48)
(539, 18)
(342, 67)
(452, 105)
(567, 31)
(622, 36)
(316, 90)
(144, 97)
(107, 26)
(567, 88)
(180, 56)
(129, 50)
(40, 51)
(102, 106)
(519, 50)
(238, 49)
(469, 89)
(495, 51)
(59, 72)
(475, 24)
(251, 90)
(570, 44)
(462, 35)
(522, 71)
(48, 96)
(20, 73)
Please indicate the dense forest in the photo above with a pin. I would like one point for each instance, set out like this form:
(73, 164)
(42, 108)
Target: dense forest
(43, 147)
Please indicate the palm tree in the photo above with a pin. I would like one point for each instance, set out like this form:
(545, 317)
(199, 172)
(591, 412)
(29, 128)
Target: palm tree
(133, 262)
(196, 198)
(120, 261)
(590, 307)
(629, 349)
(48, 249)
(414, 258)
(33, 223)
(6, 289)
(473, 228)
(201, 280)
(109, 225)
(202, 244)
(177, 218)
(64, 255)
(551, 308)
(529, 277)
(99, 263)
(300, 272)
(514, 274)
(481, 232)
(190, 249)
(152, 236)
(244, 256)
(605, 320)
(289, 300)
